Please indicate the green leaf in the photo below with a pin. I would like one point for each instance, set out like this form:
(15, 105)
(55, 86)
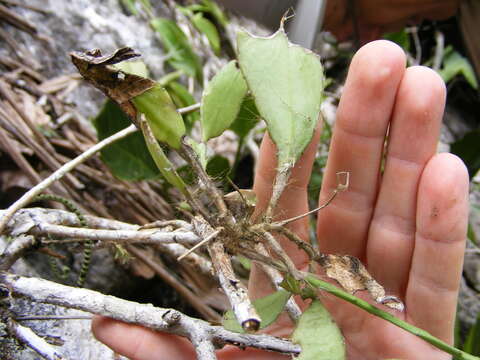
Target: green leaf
(468, 149)
(162, 116)
(287, 83)
(211, 7)
(318, 335)
(472, 344)
(246, 119)
(206, 27)
(268, 308)
(161, 160)
(182, 98)
(128, 158)
(130, 6)
(218, 167)
(180, 53)
(222, 100)
(455, 64)
(401, 38)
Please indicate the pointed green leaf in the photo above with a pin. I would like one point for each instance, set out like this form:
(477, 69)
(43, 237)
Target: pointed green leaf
(455, 64)
(287, 83)
(128, 158)
(246, 119)
(217, 13)
(318, 335)
(162, 116)
(161, 160)
(268, 308)
(206, 27)
(180, 53)
(222, 100)
(472, 344)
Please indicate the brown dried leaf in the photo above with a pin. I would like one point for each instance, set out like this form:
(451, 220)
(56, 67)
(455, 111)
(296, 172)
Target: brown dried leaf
(119, 86)
(353, 276)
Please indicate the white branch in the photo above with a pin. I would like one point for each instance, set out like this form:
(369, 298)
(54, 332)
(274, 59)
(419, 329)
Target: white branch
(35, 342)
(27, 221)
(153, 236)
(15, 250)
(234, 289)
(167, 320)
(58, 174)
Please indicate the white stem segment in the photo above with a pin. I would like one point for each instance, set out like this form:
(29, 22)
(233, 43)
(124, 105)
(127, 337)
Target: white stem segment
(35, 342)
(167, 320)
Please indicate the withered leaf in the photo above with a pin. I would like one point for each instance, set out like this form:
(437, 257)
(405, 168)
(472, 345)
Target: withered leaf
(353, 276)
(119, 86)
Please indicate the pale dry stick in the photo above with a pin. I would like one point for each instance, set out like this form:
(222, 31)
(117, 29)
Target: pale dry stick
(279, 185)
(235, 291)
(58, 174)
(116, 236)
(209, 238)
(15, 250)
(342, 186)
(189, 109)
(439, 50)
(167, 320)
(33, 341)
(416, 41)
(25, 219)
(177, 223)
(51, 317)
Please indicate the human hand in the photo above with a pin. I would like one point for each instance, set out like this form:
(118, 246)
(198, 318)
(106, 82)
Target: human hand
(407, 225)
(376, 17)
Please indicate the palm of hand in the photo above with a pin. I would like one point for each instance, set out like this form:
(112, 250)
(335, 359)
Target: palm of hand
(407, 226)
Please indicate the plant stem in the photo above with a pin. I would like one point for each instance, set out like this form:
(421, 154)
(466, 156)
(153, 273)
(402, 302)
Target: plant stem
(424, 335)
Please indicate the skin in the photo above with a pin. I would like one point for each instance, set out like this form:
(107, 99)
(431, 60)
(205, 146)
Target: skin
(376, 17)
(407, 225)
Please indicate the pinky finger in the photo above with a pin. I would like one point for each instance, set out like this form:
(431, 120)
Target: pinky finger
(442, 217)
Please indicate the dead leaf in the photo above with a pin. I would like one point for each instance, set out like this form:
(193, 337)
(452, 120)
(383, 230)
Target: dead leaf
(353, 276)
(119, 86)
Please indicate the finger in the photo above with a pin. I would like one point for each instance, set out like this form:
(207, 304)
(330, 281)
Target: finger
(442, 217)
(413, 140)
(139, 343)
(357, 145)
